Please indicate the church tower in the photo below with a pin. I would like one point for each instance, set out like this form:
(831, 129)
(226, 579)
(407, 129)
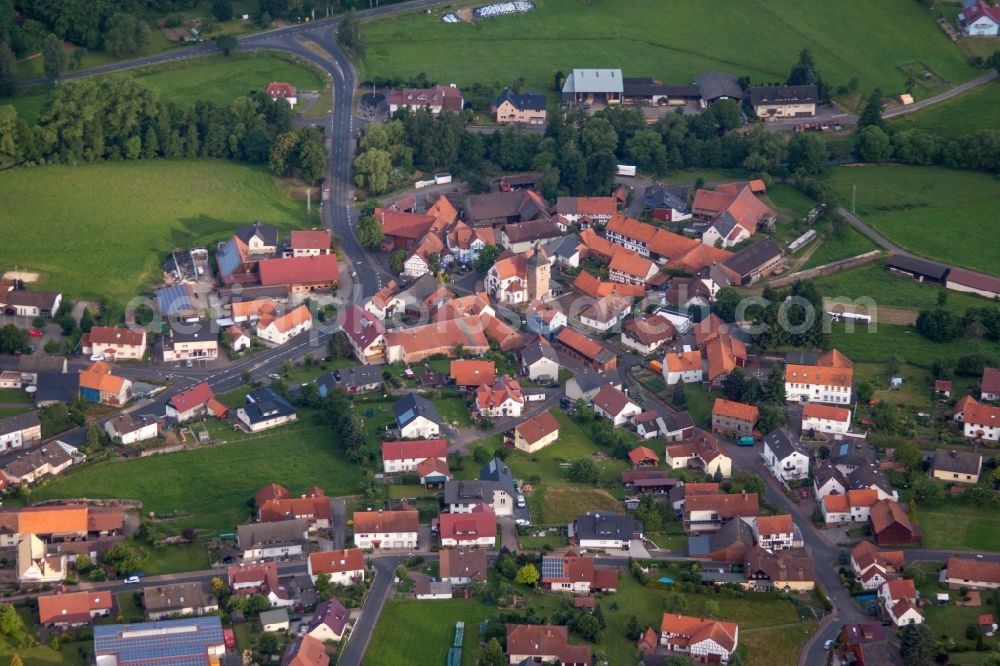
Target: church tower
(538, 277)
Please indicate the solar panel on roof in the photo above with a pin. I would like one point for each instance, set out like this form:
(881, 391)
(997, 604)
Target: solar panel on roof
(407, 416)
(552, 567)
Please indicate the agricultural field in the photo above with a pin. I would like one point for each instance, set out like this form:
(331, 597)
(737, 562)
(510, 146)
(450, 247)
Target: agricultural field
(939, 213)
(968, 113)
(113, 223)
(835, 247)
(671, 41)
(958, 526)
(214, 79)
(297, 456)
(902, 341)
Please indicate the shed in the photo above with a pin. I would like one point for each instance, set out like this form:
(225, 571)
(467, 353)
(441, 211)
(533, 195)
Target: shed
(274, 620)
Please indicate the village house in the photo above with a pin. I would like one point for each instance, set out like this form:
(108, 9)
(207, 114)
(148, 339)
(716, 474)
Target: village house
(852, 506)
(97, 384)
(649, 425)
(116, 342)
(265, 409)
(702, 452)
(628, 267)
(164, 601)
(39, 462)
(191, 341)
(605, 531)
(536, 433)
(898, 600)
(642, 456)
(66, 610)
(979, 421)
(197, 640)
(344, 567)
(577, 574)
(606, 313)
(504, 398)
(873, 566)
(526, 236)
(989, 386)
(979, 18)
(708, 641)
(329, 621)
(436, 99)
(753, 262)
(545, 320)
(677, 427)
(828, 380)
(403, 457)
(353, 380)
(416, 417)
(260, 239)
(238, 340)
(384, 303)
(784, 457)
(588, 285)
(723, 354)
(196, 402)
(890, 526)
(387, 530)
(732, 212)
(247, 579)
(614, 405)
(789, 570)
(544, 643)
(308, 243)
(35, 566)
(956, 466)
(974, 574)
(251, 311)
(460, 566)
(10, 379)
(780, 102)
(273, 621)
(305, 651)
(272, 541)
(729, 544)
(646, 334)
(478, 527)
(589, 352)
(685, 366)
(586, 211)
(539, 361)
(280, 90)
(313, 507)
(825, 419)
(777, 533)
(300, 275)
(470, 374)
(733, 417)
(20, 431)
(279, 330)
(23, 303)
(512, 108)
(668, 249)
(707, 513)
(366, 333)
(129, 430)
(465, 496)
(417, 343)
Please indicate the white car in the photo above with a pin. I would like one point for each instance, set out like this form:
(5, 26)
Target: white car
(97, 357)
(523, 522)
(274, 375)
(131, 579)
(828, 644)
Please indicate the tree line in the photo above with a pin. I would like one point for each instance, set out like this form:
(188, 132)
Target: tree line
(118, 117)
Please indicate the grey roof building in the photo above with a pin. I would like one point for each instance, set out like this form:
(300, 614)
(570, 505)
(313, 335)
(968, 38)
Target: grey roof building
(804, 94)
(523, 101)
(498, 471)
(357, 379)
(781, 444)
(265, 404)
(606, 527)
(266, 233)
(412, 406)
(957, 462)
(537, 351)
(468, 493)
(277, 533)
(755, 260)
(718, 85)
(666, 196)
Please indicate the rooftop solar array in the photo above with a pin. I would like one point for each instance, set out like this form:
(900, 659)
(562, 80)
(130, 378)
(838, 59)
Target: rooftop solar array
(162, 643)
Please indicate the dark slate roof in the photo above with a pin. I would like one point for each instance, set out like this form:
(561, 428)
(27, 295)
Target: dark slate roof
(410, 406)
(265, 404)
(531, 231)
(714, 85)
(866, 476)
(827, 471)
(690, 91)
(36, 363)
(470, 492)
(564, 246)
(731, 532)
(753, 256)
(56, 387)
(783, 94)
(642, 87)
(536, 351)
(267, 232)
(961, 462)
(851, 453)
(678, 421)
(918, 266)
(524, 101)
(18, 422)
(354, 377)
(666, 196)
(606, 526)
(193, 331)
(781, 444)
(498, 471)
(589, 380)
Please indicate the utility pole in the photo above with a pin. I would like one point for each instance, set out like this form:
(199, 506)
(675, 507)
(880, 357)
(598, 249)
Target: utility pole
(309, 192)
(854, 199)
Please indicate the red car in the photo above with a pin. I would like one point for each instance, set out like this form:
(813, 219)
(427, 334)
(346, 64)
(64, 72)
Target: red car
(35, 333)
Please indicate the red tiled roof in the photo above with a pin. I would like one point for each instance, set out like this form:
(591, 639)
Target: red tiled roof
(641, 453)
(287, 321)
(433, 465)
(315, 239)
(537, 427)
(117, 335)
(580, 343)
(976, 413)
(775, 524)
(814, 410)
(682, 361)
(727, 506)
(735, 410)
(280, 90)
(814, 374)
(611, 400)
(980, 571)
(886, 512)
(473, 372)
(901, 588)
(311, 508)
(386, 522)
(197, 395)
(417, 449)
(299, 270)
(492, 397)
(545, 639)
(337, 561)
(696, 629)
(468, 526)
(72, 607)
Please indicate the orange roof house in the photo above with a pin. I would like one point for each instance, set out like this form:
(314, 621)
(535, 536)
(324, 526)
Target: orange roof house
(771, 525)
(468, 373)
(643, 456)
(734, 410)
(73, 608)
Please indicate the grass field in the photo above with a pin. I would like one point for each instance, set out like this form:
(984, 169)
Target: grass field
(671, 41)
(210, 79)
(834, 248)
(902, 341)
(420, 632)
(13, 411)
(203, 483)
(939, 213)
(103, 230)
(893, 290)
(952, 620)
(561, 504)
(954, 525)
(966, 114)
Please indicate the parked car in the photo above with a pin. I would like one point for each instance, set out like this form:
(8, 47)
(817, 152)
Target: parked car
(132, 579)
(274, 375)
(35, 333)
(97, 357)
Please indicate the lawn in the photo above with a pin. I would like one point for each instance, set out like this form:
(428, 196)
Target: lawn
(112, 224)
(671, 41)
(129, 607)
(951, 620)
(915, 206)
(14, 396)
(561, 504)
(836, 247)
(13, 411)
(891, 289)
(420, 632)
(699, 403)
(159, 560)
(954, 525)
(209, 79)
(904, 342)
(968, 113)
(453, 410)
(214, 484)
(780, 645)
